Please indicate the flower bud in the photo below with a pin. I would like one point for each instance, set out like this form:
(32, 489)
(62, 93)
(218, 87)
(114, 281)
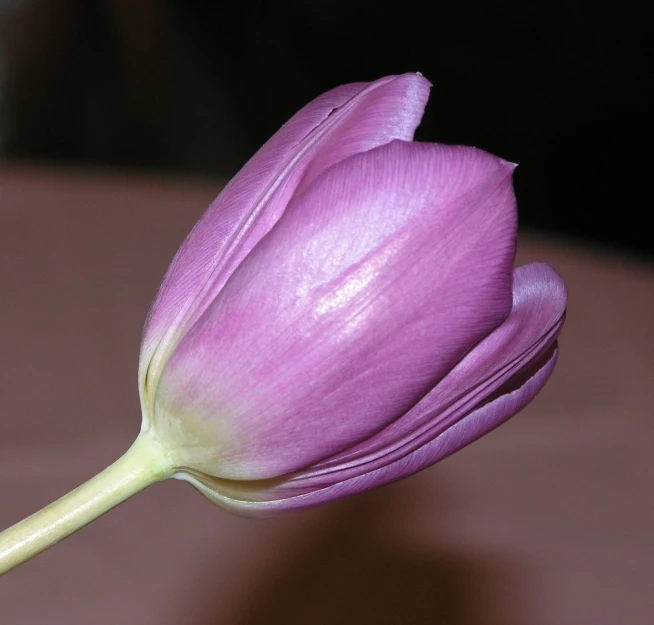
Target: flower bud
(347, 312)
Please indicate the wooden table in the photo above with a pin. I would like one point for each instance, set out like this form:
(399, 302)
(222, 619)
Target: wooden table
(548, 520)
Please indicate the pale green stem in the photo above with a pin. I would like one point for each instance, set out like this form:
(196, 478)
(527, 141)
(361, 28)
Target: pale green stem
(144, 463)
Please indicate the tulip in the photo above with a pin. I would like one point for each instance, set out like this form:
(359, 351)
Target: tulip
(345, 314)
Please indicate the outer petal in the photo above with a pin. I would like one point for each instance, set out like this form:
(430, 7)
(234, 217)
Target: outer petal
(493, 382)
(342, 122)
(539, 304)
(371, 287)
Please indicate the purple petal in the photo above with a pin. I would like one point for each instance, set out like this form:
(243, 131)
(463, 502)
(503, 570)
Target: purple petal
(471, 427)
(342, 122)
(493, 382)
(539, 304)
(376, 281)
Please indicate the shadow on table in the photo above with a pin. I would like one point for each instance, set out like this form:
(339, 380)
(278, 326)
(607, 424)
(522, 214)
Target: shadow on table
(354, 572)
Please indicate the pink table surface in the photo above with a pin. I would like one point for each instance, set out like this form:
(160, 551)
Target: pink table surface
(548, 520)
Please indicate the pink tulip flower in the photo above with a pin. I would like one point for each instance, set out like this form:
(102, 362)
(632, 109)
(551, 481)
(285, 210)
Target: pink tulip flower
(347, 312)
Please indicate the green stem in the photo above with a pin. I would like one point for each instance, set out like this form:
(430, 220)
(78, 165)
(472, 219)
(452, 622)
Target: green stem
(144, 463)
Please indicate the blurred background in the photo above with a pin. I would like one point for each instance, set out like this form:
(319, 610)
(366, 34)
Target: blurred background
(564, 88)
(120, 120)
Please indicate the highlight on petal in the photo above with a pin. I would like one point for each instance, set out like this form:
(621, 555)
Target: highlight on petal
(500, 376)
(342, 122)
(370, 288)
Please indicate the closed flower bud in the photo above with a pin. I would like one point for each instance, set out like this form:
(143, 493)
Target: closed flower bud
(347, 311)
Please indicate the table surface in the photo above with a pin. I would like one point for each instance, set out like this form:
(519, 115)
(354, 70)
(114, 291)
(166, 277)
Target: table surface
(547, 520)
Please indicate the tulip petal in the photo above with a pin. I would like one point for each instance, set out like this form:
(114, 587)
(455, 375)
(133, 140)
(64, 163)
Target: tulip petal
(342, 122)
(471, 427)
(396, 262)
(540, 297)
(493, 382)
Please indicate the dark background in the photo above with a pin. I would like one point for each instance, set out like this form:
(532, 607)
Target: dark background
(564, 88)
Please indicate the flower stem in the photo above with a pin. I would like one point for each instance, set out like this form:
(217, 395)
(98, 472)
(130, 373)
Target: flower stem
(144, 463)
